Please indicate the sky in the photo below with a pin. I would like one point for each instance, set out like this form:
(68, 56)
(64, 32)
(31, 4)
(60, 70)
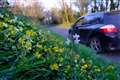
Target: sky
(55, 3)
(48, 4)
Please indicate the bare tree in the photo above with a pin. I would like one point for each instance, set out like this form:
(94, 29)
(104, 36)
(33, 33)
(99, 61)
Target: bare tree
(16, 8)
(34, 9)
(117, 4)
(56, 16)
(82, 6)
(64, 7)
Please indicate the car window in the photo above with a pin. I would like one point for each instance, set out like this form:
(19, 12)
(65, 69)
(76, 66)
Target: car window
(81, 22)
(95, 21)
(112, 19)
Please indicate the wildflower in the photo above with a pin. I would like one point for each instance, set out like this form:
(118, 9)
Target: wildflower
(45, 50)
(61, 50)
(56, 49)
(38, 55)
(68, 41)
(4, 24)
(28, 45)
(1, 24)
(85, 66)
(30, 33)
(21, 40)
(97, 70)
(39, 46)
(54, 66)
(12, 30)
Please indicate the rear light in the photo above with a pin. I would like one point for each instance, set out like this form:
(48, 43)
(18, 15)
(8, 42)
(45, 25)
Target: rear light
(108, 29)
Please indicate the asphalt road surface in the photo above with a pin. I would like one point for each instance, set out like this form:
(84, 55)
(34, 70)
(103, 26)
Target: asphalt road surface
(112, 56)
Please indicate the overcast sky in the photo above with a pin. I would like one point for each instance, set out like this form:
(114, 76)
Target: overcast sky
(55, 3)
(48, 4)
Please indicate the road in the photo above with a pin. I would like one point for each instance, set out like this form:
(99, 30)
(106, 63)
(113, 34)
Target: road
(112, 56)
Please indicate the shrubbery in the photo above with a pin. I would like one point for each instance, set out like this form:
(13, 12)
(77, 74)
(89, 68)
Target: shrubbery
(27, 53)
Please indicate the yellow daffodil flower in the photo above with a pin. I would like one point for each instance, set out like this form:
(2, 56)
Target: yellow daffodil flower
(54, 66)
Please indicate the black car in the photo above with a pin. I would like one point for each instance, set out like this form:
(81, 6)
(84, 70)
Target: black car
(100, 31)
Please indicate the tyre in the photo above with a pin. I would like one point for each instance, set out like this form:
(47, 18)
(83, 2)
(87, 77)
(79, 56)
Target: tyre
(95, 44)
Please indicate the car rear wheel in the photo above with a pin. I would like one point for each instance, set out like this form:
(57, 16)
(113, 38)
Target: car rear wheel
(95, 44)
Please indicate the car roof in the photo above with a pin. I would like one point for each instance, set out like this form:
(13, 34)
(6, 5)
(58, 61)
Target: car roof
(99, 14)
(103, 13)
(94, 16)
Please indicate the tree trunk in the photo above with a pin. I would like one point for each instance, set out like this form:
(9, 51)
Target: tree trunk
(112, 5)
(65, 11)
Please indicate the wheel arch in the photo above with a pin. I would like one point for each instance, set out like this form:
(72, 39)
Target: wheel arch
(93, 34)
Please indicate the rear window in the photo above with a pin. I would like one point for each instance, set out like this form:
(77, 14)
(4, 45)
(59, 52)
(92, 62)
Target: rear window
(112, 18)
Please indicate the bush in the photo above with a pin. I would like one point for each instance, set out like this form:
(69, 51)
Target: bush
(27, 53)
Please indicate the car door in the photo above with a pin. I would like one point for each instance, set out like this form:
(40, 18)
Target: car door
(80, 30)
(84, 27)
(84, 32)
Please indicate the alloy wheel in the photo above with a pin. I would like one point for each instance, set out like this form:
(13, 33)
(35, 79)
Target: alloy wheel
(95, 44)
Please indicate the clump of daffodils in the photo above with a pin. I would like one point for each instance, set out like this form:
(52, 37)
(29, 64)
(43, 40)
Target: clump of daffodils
(54, 66)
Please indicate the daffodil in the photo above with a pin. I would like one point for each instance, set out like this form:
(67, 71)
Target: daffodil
(54, 66)
(10, 28)
(38, 55)
(21, 40)
(30, 33)
(40, 46)
(56, 49)
(28, 45)
(97, 70)
(61, 50)
(45, 50)
(1, 24)
(85, 66)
